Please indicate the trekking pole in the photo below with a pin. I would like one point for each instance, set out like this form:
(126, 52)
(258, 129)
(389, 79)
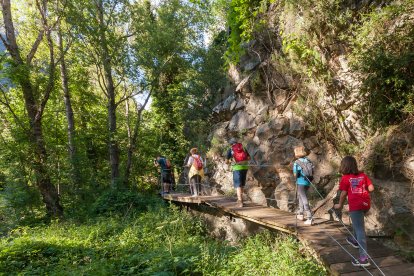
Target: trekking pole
(295, 206)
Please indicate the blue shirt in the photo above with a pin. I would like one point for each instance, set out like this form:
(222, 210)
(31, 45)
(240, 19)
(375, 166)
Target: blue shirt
(162, 161)
(297, 171)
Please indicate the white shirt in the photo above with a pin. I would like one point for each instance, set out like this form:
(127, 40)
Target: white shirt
(191, 159)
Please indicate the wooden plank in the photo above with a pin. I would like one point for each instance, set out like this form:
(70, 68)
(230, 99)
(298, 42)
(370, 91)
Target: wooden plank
(381, 262)
(340, 256)
(398, 270)
(327, 244)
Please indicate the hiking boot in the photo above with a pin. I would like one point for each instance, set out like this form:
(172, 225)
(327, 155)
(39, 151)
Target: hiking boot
(352, 242)
(361, 262)
(309, 221)
(239, 203)
(300, 217)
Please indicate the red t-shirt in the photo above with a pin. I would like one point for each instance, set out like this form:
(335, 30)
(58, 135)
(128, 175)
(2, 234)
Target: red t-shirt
(357, 187)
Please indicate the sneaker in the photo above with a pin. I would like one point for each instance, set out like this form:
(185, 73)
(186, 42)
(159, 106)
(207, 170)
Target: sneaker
(352, 242)
(308, 222)
(239, 204)
(300, 217)
(361, 262)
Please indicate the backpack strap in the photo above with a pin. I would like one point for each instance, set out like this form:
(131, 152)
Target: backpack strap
(300, 165)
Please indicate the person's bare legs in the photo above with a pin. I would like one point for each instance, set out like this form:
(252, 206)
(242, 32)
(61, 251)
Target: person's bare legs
(166, 187)
(239, 191)
(239, 180)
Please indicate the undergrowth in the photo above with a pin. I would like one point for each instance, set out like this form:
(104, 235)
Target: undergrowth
(159, 241)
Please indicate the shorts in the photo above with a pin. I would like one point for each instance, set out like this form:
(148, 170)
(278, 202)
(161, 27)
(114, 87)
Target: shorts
(239, 178)
(166, 177)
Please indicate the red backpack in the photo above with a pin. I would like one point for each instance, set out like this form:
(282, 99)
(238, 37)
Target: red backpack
(198, 163)
(239, 153)
(168, 163)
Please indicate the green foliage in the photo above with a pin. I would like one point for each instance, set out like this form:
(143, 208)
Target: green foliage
(299, 52)
(217, 147)
(146, 243)
(185, 74)
(380, 42)
(120, 201)
(161, 241)
(242, 22)
(158, 49)
(382, 52)
(265, 255)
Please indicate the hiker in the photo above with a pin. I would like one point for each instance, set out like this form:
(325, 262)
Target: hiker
(166, 173)
(303, 172)
(357, 186)
(196, 173)
(241, 158)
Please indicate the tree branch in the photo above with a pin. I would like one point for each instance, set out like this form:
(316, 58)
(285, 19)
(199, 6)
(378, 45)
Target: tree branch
(6, 103)
(35, 46)
(52, 66)
(100, 76)
(11, 43)
(124, 98)
(128, 35)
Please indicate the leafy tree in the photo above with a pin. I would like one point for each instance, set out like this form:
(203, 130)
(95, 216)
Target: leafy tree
(170, 47)
(35, 82)
(102, 25)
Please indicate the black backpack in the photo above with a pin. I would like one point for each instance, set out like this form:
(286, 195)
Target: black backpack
(307, 168)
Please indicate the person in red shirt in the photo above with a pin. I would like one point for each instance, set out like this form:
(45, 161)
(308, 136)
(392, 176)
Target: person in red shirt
(357, 186)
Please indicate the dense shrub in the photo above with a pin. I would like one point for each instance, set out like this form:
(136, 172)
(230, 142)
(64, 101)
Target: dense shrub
(115, 201)
(383, 53)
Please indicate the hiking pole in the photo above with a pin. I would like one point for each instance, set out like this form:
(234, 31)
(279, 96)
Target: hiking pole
(295, 206)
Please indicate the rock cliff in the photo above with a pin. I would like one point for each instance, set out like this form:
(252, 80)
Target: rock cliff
(272, 105)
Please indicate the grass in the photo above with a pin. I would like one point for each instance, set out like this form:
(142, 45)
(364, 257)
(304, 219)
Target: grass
(159, 241)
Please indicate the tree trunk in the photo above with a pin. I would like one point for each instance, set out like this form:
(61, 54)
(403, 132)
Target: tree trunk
(34, 112)
(110, 90)
(129, 150)
(133, 140)
(47, 189)
(69, 114)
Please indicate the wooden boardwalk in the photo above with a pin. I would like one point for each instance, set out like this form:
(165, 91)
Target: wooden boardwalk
(321, 239)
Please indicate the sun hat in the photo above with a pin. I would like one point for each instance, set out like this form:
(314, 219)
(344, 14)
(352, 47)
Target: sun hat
(300, 152)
